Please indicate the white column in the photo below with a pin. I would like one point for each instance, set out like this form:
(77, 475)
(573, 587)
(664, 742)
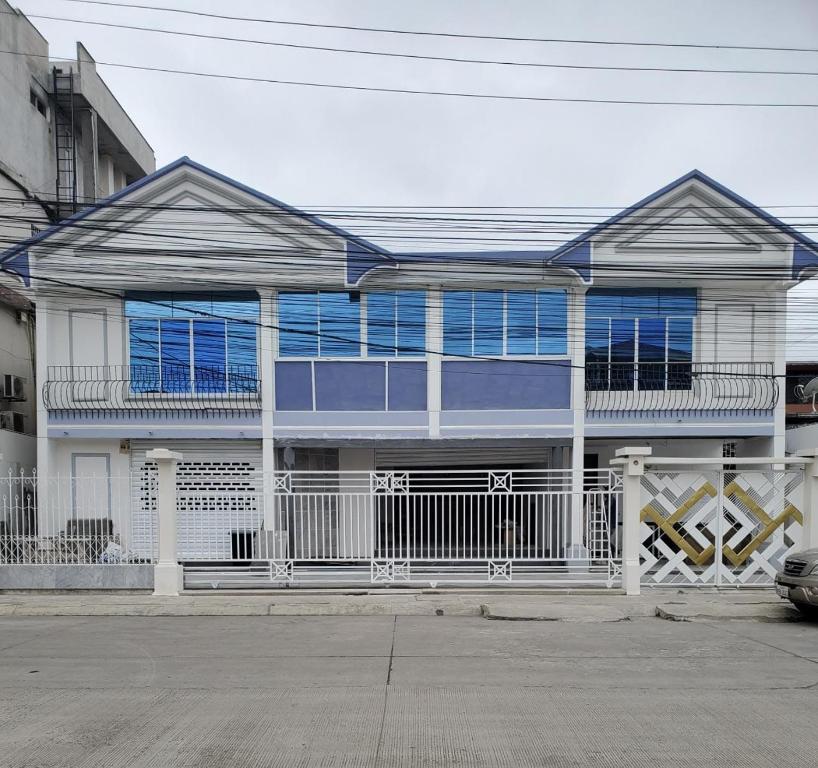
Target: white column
(576, 346)
(434, 343)
(809, 505)
(267, 352)
(46, 464)
(167, 573)
(632, 461)
(355, 508)
(779, 330)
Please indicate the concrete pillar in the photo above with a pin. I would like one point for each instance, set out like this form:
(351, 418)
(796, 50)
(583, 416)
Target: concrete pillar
(267, 354)
(434, 365)
(355, 508)
(167, 573)
(809, 511)
(632, 461)
(576, 548)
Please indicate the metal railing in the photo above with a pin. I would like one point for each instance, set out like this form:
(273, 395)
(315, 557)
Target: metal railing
(77, 520)
(404, 519)
(149, 388)
(675, 387)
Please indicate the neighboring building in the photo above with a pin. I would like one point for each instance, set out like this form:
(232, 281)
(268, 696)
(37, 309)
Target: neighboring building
(65, 142)
(253, 337)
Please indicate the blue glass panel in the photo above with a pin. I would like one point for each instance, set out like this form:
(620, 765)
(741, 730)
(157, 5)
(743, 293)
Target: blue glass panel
(603, 302)
(143, 342)
(457, 322)
(380, 324)
(488, 322)
(678, 301)
(242, 356)
(340, 325)
(144, 309)
(175, 339)
(623, 340)
(521, 323)
(248, 310)
(651, 353)
(298, 324)
(597, 348)
(680, 339)
(640, 303)
(552, 322)
(411, 323)
(201, 308)
(209, 355)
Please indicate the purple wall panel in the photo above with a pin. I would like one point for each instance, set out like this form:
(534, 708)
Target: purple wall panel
(477, 385)
(407, 386)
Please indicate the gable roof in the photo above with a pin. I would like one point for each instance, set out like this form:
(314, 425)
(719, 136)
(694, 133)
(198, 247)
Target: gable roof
(9, 255)
(364, 256)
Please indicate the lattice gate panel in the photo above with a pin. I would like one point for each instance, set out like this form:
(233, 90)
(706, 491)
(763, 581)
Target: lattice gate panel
(679, 527)
(761, 524)
(718, 527)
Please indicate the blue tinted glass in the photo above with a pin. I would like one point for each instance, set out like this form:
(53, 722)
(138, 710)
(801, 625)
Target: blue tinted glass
(143, 343)
(680, 339)
(521, 323)
(623, 338)
(192, 308)
(597, 339)
(678, 301)
(552, 322)
(298, 324)
(651, 340)
(603, 302)
(380, 324)
(488, 322)
(175, 340)
(411, 323)
(457, 322)
(242, 356)
(209, 355)
(340, 317)
(640, 303)
(245, 309)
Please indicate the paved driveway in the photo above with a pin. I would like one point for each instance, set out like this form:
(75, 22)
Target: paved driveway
(384, 691)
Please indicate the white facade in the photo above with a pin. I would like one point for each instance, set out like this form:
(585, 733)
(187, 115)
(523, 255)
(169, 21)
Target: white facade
(91, 411)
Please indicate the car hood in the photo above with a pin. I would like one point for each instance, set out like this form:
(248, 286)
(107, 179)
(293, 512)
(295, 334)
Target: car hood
(808, 554)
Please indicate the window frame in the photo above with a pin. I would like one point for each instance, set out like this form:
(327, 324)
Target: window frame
(192, 389)
(505, 354)
(363, 318)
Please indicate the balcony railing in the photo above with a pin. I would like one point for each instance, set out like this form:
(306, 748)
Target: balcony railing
(146, 388)
(677, 387)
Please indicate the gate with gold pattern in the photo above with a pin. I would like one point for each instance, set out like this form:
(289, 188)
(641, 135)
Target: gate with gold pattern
(718, 526)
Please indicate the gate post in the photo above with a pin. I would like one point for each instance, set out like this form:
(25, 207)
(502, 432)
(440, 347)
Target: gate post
(167, 573)
(809, 527)
(632, 461)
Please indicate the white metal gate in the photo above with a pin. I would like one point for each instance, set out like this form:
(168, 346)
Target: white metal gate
(718, 527)
(414, 526)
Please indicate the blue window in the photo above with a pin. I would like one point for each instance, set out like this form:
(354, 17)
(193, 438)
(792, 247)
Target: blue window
(490, 323)
(639, 338)
(396, 323)
(182, 343)
(298, 324)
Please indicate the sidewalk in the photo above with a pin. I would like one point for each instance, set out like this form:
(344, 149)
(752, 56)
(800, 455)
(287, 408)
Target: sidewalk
(573, 606)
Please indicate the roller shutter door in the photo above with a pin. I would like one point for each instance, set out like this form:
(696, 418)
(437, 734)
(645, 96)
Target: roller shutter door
(219, 484)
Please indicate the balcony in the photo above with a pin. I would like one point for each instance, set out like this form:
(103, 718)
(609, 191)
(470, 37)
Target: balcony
(231, 390)
(680, 388)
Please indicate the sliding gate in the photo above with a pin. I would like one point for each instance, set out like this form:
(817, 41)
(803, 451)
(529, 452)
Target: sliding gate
(405, 527)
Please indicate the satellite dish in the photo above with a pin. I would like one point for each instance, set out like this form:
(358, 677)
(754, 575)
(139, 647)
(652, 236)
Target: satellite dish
(808, 392)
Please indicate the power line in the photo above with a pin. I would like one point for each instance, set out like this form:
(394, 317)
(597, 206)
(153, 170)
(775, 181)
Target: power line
(450, 94)
(420, 57)
(458, 35)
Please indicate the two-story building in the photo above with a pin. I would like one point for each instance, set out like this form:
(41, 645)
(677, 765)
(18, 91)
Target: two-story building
(190, 312)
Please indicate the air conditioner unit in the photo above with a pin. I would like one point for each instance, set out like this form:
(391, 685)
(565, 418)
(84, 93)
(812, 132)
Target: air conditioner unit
(12, 421)
(12, 388)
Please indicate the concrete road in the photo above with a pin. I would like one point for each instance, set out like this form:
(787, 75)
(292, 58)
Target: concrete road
(405, 691)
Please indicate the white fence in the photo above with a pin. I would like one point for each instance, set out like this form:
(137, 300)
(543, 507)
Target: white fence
(718, 527)
(76, 520)
(477, 523)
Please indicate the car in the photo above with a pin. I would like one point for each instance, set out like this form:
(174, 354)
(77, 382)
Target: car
(798, 581)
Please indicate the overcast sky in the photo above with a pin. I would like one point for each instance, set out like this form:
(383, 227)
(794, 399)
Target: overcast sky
(311, 146)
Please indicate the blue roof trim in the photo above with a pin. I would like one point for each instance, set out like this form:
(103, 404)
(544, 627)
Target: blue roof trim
(577, 258)
(802, 260)
(19, 266)
(697, 175)
(186, 161)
